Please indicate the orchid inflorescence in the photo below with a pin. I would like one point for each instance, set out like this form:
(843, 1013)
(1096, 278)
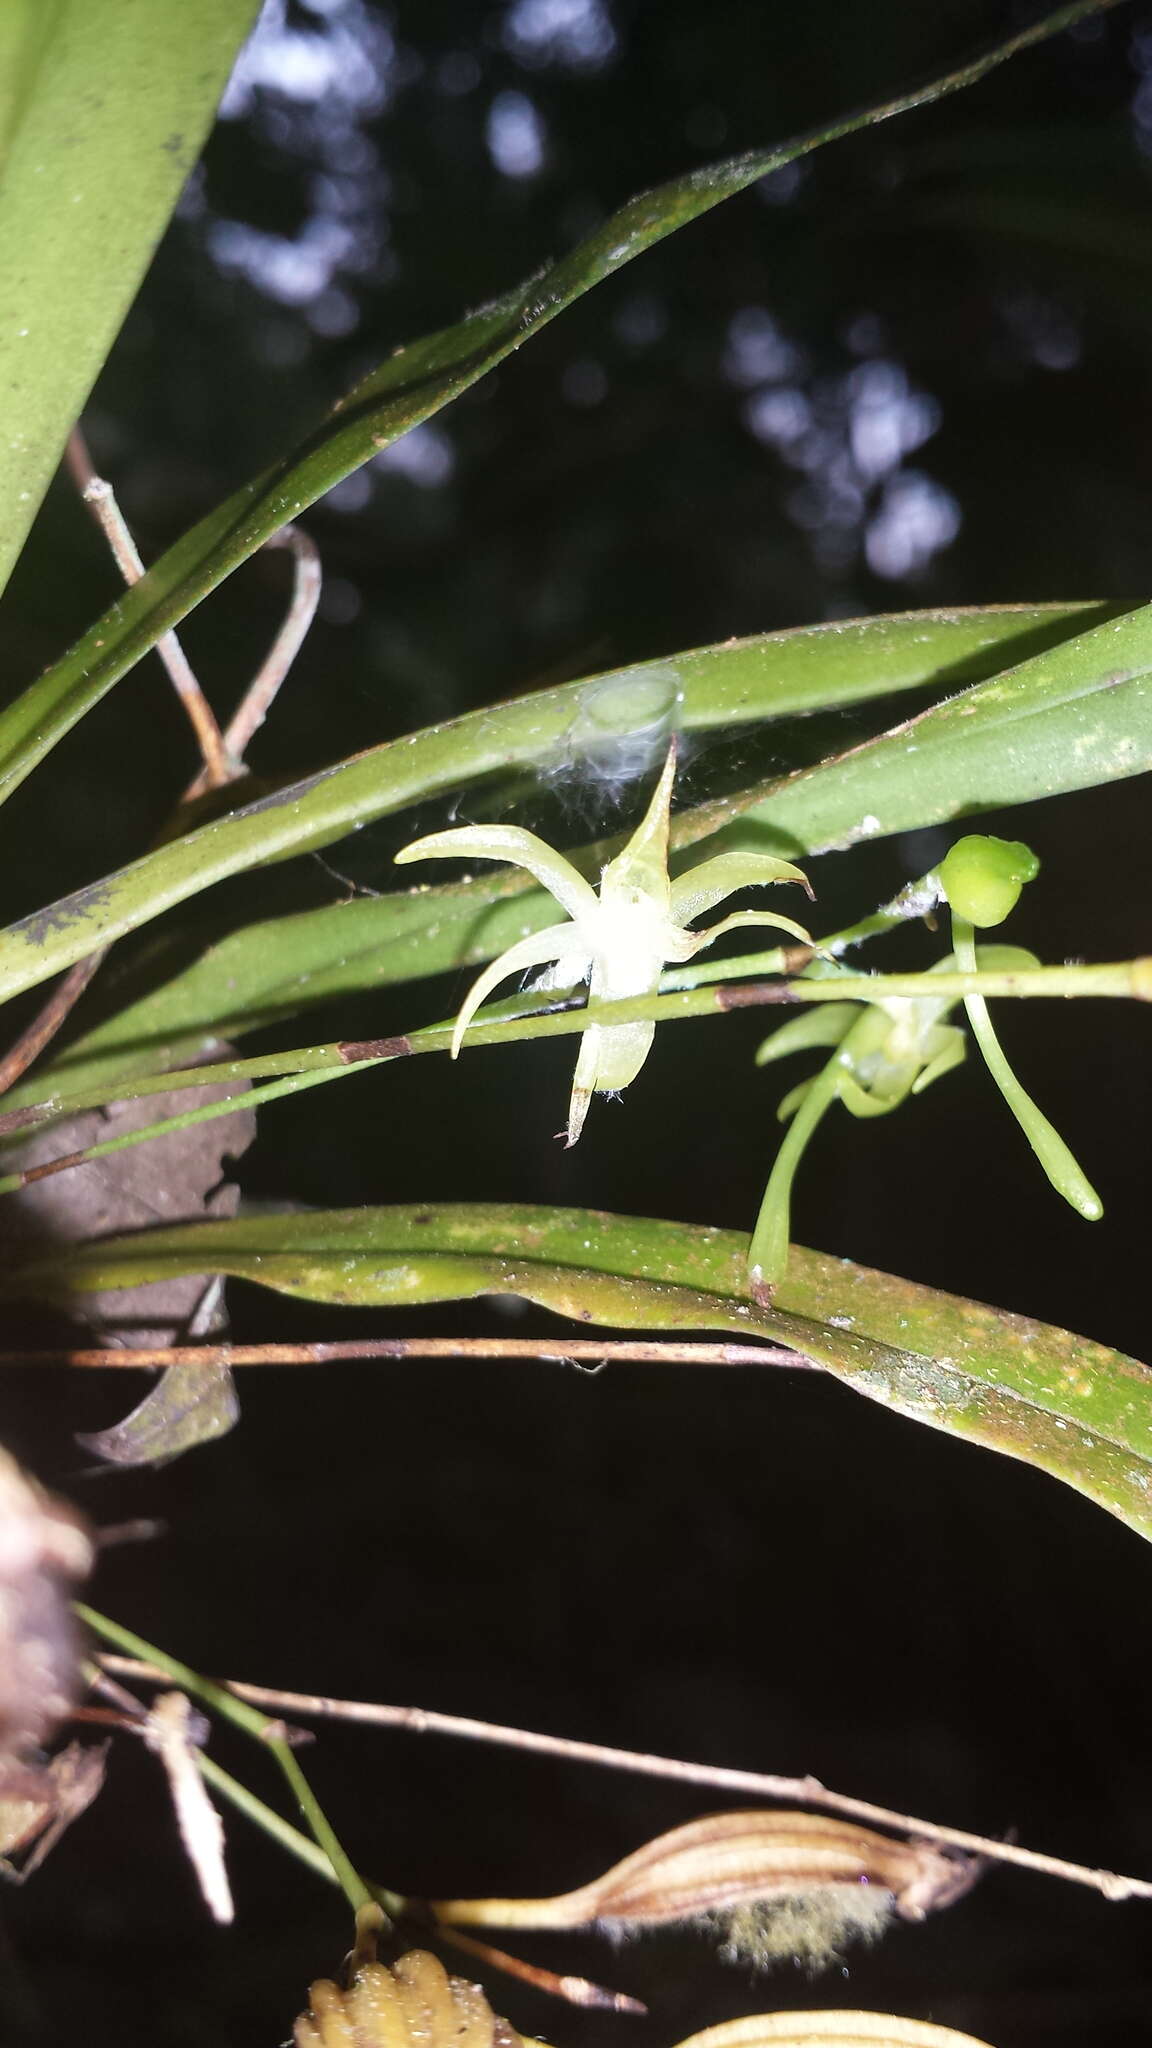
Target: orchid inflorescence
(889, 1047)
(883, 1049)
(619, 940)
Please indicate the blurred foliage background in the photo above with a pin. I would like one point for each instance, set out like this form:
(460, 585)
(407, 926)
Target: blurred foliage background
(915, 370)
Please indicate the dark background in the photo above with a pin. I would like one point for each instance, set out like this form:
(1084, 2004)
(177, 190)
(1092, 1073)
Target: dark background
(917, 372)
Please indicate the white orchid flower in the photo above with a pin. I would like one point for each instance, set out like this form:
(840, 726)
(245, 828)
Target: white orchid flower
(618, 941)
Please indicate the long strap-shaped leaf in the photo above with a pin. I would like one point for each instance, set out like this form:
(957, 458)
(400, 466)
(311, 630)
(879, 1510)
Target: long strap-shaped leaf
(409, 386)
(104, 105)
(1076, 681)
(1071, 1407)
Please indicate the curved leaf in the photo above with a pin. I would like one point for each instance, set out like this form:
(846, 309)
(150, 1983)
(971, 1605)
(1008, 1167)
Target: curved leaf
(1071, 1407)
(770, 676)
(104, 105)
(413, 383)
(1070, 719)
(829, 2030)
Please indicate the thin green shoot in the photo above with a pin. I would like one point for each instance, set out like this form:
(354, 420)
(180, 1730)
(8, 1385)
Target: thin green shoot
(266, 1732)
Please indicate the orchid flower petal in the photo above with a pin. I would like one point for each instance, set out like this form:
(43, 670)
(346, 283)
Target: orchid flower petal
(741, 919)
(824, 1024)
(583, 1083)
(620, 939)
(513, 844)
(555, 942)
(704, 886)
(642, 865)
(952, 1053)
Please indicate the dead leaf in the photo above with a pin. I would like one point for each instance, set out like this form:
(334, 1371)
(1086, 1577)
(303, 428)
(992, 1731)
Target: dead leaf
(177, 1178)
(776, 1884)
(52, 1796)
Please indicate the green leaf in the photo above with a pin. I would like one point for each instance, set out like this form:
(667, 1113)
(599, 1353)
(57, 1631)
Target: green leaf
(413, 383)
(1071, 1407)
(1068, 719)
(104, 105)
(771, 676)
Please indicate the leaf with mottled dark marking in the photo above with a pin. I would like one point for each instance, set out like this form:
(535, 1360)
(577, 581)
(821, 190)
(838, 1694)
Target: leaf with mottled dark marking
(1026, 1389)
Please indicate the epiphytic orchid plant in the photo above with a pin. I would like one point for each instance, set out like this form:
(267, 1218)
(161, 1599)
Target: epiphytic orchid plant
(618, 941)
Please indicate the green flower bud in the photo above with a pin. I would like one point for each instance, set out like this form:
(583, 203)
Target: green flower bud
(982, 877)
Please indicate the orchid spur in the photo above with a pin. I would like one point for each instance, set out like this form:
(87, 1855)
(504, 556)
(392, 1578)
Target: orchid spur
(618, 940)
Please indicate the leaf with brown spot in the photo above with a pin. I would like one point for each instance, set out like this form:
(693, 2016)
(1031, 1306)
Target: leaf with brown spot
(1060, 1402)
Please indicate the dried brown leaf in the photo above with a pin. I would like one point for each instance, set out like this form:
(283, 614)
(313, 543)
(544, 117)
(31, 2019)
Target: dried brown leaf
(52, 1796)
(840, 1880)
(176, 1178)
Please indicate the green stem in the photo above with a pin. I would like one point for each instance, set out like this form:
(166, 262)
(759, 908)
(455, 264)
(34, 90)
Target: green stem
(252, 1722)
(318, 1064)
(250, 1099)
(265, 1817)
(768, 1252)
(1062, 1169)
(700, 973)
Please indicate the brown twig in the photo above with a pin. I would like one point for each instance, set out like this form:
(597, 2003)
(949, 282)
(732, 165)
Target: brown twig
(588, 1351)
(218, 767)
(48, 1020)
(221, 754)
(258, 698)
(806, 1791)
(98, 495)
(575, 1990)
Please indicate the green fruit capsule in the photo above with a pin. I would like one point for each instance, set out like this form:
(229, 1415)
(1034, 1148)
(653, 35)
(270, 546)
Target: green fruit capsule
(982, 877)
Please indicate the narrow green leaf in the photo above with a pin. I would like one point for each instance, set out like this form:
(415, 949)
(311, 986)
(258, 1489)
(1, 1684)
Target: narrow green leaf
(768, 677)
(1071, 1407)
(104, 105)
(413, 383)
(1069, 719)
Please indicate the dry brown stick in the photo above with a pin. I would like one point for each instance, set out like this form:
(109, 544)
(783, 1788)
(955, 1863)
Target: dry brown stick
(760, 1784)
(258, 698)
(48, 1020)
(98, 495)
(553, 1350)
(221, 753)
(218, 767)
(575, 1990)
